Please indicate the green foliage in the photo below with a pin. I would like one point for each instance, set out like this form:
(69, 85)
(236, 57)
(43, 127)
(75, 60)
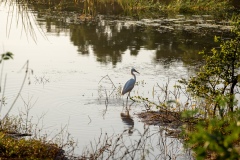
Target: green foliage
(6, 56)
(219, 75)
(15, 145)
(140, 7)
(198, 6)
(26, 149)
(216, 138)
(189, 113)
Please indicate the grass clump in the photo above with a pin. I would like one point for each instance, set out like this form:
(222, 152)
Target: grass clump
(198, 6)
(21, 141)
(28, 149)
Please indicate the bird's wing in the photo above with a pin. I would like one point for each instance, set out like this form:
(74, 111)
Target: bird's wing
(128, 86)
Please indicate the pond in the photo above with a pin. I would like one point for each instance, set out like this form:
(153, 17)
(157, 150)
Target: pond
(70, 57)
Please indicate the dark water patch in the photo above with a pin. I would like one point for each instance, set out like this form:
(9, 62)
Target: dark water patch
(181, 37)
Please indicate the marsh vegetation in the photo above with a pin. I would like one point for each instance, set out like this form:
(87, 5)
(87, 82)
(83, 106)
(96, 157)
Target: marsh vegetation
(193, 115)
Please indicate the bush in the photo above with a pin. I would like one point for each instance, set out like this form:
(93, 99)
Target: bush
(216, 138)
(27, 149)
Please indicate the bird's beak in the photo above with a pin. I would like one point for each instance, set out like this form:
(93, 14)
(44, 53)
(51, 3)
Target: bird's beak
(137, 72)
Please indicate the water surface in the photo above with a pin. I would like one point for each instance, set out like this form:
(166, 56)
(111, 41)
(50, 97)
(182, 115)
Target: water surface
(69, 59)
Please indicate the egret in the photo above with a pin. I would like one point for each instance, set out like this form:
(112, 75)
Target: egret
(130, 84)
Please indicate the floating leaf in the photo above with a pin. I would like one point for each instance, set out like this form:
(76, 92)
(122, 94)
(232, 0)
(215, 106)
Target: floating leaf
(5, 58)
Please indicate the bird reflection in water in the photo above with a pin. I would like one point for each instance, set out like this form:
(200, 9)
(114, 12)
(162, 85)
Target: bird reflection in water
(128, 121)
(126, 118)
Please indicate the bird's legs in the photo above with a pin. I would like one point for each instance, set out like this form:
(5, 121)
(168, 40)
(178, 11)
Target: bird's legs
(131, 104)
(127, 101)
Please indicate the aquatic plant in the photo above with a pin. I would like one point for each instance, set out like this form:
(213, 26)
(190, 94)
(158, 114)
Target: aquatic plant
(121, 146)
(4, 57)
(7, 56)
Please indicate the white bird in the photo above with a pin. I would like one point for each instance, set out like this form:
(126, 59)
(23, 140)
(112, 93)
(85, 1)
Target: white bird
(129, 84)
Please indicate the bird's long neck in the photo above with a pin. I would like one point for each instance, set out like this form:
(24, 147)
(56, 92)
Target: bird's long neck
(134, 76)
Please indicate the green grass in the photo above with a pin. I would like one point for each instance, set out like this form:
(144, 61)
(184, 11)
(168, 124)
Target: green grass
(141, 7)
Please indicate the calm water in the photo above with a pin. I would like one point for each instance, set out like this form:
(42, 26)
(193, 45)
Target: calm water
(70, 58)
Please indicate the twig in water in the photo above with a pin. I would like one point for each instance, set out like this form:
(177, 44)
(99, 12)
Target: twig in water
(28, 107)
(3, 93)
(89, 119)
(26, 72)
(107, 76)
(106, 101)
